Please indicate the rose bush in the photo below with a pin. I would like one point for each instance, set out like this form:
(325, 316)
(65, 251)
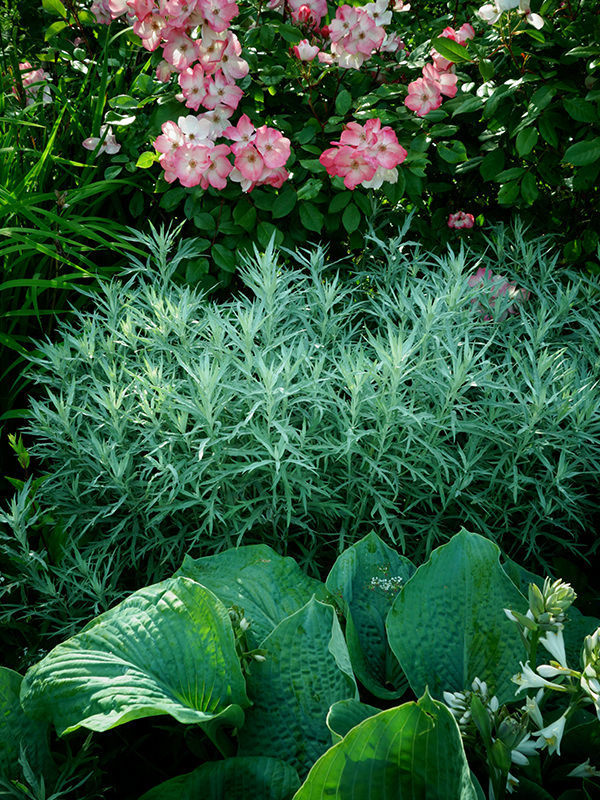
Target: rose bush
(496, 108)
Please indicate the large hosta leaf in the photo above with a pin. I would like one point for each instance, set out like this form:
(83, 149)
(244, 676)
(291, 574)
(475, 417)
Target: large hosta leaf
(347, 714)
(19, 731)
(365, 580)
(306, 670)
(238, 778)
(166, 649)
(413, 751)
(267, 586)
(448, 626)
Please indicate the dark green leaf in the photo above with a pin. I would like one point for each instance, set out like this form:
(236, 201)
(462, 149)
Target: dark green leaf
(451, 50)
(265, 231)
(54, 7)
(351, 218)
(486, 69)
(237, 778)
(223, 257)
(508, 193)
(311, 217)
(460, 593)
(529, 189)
(453, 153)
(343, 102)
(580, 110)
(284, 203)
(583, 153)
(526, 141)
(339, 201)
(492, 165)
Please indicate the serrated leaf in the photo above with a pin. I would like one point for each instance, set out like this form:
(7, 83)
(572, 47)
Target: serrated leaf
(339, 201)
(306, 670)
(351, 218)
(311, 217)
(579, 110)
(492, 165)
(237, 778)
(582, 154)
(224, 258)
(451, 50)
(244, 214)
(343, 102)
(448, 626)
(18, 730)
(469, 104)
(146, 160)
(267, 586)
(526, 141)
(122, 666)
(267, 231)
(510, 174)
(365, 580)
(529, 189)
(540, 99)
(55, 29)
(454, 153)
(54, 7)
(413, 751)
(284, 203)
(486, 69)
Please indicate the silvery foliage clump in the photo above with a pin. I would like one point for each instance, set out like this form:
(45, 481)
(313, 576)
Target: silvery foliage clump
(311, 408)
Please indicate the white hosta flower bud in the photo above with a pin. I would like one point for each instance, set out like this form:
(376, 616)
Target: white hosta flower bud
(554, 643)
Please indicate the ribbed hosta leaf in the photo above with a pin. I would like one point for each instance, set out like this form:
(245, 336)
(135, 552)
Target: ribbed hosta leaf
(307, 669)
(238, 778)
(413, 751)
(17, 730)
(166, 649)
(347, 714)
(267, 586)
(365, 580)
(448, 626)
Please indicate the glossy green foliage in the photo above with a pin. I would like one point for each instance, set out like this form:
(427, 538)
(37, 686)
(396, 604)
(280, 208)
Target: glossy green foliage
(236, 778)
(365, 581)
(306, 669)
(265, 586)
(414, 750)
(20, 732)
(448, 625)
(167, 649)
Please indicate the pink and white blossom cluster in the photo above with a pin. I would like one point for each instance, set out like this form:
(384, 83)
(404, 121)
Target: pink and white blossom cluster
(461, 220)
(353, 36)
(367, 155)
(425, 94)
(190, 154)
(491, 12)
(33, 80)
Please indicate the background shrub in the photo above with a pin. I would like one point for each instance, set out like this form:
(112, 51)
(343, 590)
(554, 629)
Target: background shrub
(305, 413)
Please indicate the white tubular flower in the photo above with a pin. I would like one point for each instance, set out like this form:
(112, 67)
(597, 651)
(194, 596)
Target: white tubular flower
(585, 770)
(511, 783)
(528, 679)
(552, 734)
(554, 643)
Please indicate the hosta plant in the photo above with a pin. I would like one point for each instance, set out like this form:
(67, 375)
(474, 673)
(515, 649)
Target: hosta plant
(248, 649)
